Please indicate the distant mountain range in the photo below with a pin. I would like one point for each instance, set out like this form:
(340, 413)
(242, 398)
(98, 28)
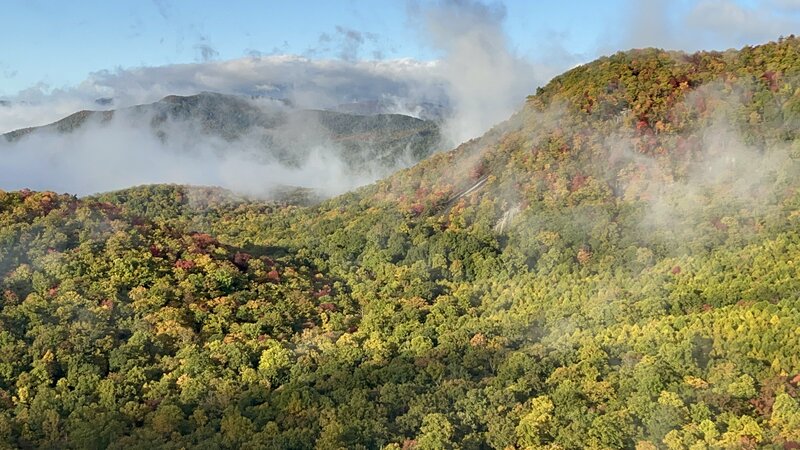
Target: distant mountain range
(265, 130)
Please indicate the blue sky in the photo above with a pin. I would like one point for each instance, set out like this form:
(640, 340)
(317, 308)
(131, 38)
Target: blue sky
(59, 43)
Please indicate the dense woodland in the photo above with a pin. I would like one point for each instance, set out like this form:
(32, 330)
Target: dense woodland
(624, 274)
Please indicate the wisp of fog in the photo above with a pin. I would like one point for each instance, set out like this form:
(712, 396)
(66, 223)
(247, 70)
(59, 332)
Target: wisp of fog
(125, 151)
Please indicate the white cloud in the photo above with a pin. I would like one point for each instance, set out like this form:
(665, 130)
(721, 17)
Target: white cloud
(485, 80)
(707, 24)
(478, 77)
(306, 83)
(728, 21)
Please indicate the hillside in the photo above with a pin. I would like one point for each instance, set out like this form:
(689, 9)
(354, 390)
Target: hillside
(613, 267)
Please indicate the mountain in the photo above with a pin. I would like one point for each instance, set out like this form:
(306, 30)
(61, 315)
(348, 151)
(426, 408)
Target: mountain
(615, 266)
(260, 130)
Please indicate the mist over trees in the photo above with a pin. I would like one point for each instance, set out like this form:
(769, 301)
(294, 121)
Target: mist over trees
(614, 266)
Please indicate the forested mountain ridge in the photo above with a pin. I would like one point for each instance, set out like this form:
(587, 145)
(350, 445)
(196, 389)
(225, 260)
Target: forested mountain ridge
(613, 267)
